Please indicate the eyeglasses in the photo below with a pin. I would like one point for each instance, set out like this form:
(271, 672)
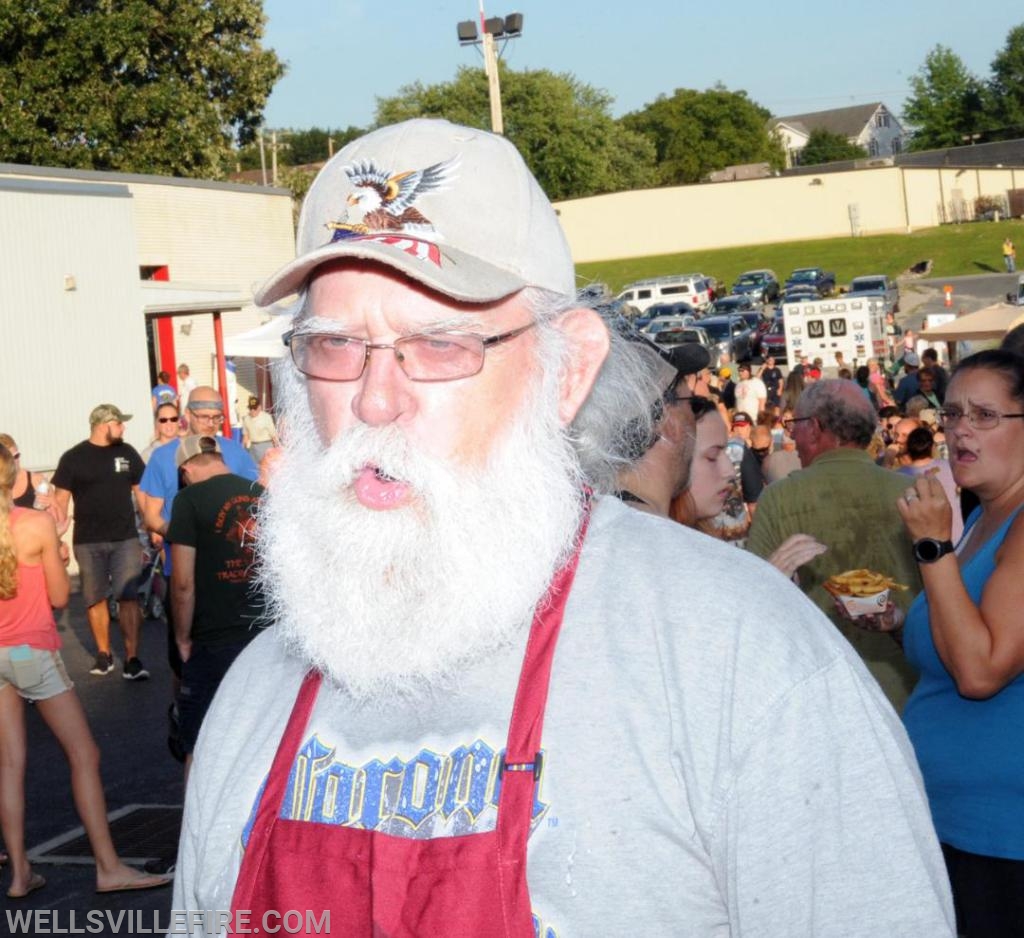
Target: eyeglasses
(166, 419)
(701, 405)
(214, 419)
(439, 356)
(980, 418)
(787, 424)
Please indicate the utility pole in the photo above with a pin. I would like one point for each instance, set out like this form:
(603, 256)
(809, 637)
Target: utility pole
(505, 27)
(491, 71)
(273, 155)
(263, 157)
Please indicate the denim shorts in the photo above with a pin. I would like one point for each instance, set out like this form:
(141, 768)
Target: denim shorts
(109, 567)
(50, 680)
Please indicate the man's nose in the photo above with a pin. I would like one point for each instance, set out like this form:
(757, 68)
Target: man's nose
(384, 394)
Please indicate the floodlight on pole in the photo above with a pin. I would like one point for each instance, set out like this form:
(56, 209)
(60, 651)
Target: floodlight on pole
(495, 27)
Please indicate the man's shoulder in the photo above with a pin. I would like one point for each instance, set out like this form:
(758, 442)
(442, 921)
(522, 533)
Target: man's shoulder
(690, 623)
(77, 450)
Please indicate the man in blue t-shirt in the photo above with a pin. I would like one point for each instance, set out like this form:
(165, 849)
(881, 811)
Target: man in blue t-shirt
(159, 485)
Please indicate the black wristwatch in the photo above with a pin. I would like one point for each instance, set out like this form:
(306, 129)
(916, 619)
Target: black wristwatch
(928, 549)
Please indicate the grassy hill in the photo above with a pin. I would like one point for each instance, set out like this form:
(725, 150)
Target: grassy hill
(954, 250)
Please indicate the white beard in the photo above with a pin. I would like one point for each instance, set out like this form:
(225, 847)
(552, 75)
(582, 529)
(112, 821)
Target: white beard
(399, 602)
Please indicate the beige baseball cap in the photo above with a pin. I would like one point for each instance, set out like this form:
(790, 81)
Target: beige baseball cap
(195, 445)
(107, 413)
(452, 207)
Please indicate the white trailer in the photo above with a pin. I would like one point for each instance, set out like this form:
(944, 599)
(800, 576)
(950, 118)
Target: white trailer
(820, 328)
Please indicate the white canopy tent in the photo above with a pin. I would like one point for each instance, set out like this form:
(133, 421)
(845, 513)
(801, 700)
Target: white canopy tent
(992, 322)
(262, 342)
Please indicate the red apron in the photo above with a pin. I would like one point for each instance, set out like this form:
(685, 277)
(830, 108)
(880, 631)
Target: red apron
(379, 885)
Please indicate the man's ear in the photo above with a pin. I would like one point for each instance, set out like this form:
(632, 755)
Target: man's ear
(587, 342)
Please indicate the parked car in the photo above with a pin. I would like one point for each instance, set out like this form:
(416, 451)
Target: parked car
(678, 309)
(773, 342)
(644, 293)
(760, 284)
(730, 334)
(661, 323)
(877, 285)
(822, 280)
(727, 305)
(796, 294)
(670, 338)
(759, 325)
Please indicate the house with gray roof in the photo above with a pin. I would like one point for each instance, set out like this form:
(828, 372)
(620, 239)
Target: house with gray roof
(872, 126)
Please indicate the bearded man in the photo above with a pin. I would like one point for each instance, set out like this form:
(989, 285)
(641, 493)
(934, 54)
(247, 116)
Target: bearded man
(483, 710)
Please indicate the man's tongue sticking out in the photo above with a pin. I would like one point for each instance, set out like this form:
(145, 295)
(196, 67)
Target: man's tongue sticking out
(379, 491)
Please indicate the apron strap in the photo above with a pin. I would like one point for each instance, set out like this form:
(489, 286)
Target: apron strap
(522, 763)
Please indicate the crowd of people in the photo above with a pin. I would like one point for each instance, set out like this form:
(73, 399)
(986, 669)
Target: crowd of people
(550, 625)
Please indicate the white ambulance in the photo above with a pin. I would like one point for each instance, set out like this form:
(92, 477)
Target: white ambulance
(820, 328)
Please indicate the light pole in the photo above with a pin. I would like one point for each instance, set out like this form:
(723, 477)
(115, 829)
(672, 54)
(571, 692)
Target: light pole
(497, 27)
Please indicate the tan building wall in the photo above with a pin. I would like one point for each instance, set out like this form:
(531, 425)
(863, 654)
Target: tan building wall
(763, 211)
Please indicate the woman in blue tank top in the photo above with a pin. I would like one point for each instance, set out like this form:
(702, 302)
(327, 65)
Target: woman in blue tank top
(965, 635)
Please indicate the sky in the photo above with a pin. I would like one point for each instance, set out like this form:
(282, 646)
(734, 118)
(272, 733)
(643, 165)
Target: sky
(790, 56)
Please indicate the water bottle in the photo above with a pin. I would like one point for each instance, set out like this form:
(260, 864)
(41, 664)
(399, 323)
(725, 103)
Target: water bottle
(43, 490)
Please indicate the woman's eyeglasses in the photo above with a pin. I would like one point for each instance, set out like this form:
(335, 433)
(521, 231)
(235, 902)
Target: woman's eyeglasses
(167, 419)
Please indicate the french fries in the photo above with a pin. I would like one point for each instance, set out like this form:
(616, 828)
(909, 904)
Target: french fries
(860, 583)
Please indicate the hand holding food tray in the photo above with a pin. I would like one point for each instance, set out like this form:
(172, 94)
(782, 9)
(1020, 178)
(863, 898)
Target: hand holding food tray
(861, 593)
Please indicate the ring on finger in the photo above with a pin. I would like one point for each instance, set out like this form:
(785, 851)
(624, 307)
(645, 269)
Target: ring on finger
(910, 496)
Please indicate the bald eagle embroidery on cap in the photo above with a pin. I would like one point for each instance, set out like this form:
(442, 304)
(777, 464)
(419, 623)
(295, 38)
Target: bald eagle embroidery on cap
(385, 203)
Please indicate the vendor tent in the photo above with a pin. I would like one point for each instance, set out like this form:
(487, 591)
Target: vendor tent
(262, 342)
(992, 322)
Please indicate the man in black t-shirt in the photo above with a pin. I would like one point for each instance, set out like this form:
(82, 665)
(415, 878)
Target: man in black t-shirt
(102, 474)
(217, 607)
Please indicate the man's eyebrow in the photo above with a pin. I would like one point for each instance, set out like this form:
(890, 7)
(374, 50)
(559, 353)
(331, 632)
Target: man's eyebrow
(461, 323)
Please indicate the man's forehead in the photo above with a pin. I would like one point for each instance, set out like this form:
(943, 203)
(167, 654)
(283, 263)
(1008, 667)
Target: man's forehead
(348, 294)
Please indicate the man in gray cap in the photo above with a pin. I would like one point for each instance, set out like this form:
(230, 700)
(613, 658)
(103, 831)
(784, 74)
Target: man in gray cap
(494, 701)
(102, 474)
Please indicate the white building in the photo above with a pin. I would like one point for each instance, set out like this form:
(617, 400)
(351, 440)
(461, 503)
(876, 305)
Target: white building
(871, 126)
(108, 278)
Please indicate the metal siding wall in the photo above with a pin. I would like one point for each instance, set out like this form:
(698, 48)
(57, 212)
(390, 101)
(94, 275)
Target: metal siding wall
(63, 352)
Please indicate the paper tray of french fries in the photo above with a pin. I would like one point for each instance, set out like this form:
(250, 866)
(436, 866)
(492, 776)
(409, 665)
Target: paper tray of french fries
(862, 592)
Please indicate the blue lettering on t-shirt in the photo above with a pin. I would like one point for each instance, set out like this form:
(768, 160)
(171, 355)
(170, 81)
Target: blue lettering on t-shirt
(430, 794)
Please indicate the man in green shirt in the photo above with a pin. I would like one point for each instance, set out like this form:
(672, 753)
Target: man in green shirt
(848, 503)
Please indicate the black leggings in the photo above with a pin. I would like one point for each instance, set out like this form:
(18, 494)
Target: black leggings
(988, 893)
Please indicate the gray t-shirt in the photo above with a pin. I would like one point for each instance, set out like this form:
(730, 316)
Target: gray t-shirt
(705, 773)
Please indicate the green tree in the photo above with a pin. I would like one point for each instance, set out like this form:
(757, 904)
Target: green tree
(1006, 88)
(149, 86)
(946, 107)
(697, 132)
(562, 127)
(823, 146)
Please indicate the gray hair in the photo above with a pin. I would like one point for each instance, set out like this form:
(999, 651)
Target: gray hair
(841, 408)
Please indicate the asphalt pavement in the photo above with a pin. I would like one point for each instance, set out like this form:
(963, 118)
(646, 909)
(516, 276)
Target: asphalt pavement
(129, 721)
(920, 298)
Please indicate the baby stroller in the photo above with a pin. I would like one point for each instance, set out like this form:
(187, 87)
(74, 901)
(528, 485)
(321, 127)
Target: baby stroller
(152, 588)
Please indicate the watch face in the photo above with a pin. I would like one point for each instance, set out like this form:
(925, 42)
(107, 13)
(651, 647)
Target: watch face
(928, 550)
